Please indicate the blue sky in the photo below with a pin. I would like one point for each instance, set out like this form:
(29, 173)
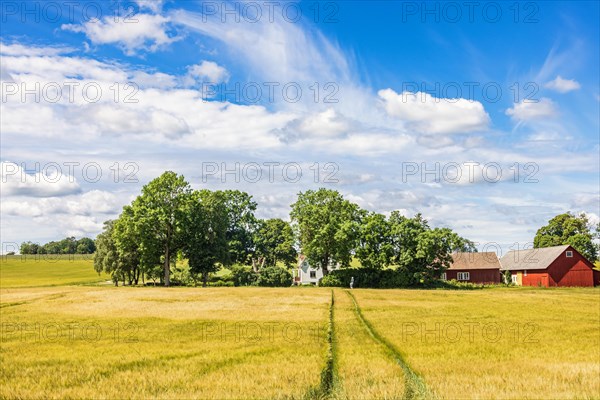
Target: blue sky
(385, 87)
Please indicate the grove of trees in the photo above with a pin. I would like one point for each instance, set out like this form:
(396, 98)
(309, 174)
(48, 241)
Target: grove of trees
(68, 245)
(170, 221)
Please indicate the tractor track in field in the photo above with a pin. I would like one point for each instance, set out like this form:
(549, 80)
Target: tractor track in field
(415, 386)
(329, 374)
(329, 379)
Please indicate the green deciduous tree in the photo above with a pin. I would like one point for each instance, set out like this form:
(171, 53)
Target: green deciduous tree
(29, 248)
(206, 227)
(242, 225)
(327, 227)
(567, 228)
(106, 258)
(127, 238)
(421, 252)
(274, 242)
(160, 212)
(375, 248)
(85, 246)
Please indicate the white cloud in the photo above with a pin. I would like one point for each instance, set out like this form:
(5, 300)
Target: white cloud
(270, 48)
(140, 32)
(562, 85)
(328, 124)
(88, 203)
(153, 5)
(16, 49)
(430, 115)
(206, 71)
(593, 219)
(49, 182)
(530, 110)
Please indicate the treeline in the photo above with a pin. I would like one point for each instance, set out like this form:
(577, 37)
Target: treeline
(68, 245)
(169, 221)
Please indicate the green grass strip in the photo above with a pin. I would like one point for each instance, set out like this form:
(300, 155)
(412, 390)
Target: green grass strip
(329, 379)
(328, 374)
(415, 387)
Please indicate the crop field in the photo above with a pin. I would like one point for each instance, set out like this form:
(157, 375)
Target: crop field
(48, 270)
(65, 337)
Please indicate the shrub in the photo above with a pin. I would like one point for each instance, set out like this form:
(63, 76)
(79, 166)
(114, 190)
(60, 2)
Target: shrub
(220, 282)
(274, 277)
(454, 284)
(242, 275)
(331, 280)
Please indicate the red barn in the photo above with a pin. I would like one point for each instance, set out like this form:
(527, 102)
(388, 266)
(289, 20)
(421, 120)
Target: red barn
(474, 267)
(549, 266)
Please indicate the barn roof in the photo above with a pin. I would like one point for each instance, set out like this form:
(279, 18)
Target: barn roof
(483, 260)
(539, 258)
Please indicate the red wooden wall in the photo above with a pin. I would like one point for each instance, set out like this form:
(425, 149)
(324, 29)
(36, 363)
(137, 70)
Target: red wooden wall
(476, 275)
(564, 271)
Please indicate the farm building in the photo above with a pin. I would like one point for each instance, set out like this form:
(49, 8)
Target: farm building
(549, 266)
(474, 267)
(306, 274)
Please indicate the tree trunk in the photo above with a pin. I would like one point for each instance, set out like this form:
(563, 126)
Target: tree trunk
(204, 279)
(167, 267)
(325, 265)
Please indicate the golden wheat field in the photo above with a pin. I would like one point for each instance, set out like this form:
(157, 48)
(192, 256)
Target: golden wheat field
(97, 341)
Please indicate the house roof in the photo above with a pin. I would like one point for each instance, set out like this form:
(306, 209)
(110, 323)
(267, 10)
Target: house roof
(539, 258)
(483, 260)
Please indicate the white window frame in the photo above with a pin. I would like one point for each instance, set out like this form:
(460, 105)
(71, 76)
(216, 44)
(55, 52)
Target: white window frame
(569, 253)
(311, 273)
(463, 276)
(444, 277)
(514, 278)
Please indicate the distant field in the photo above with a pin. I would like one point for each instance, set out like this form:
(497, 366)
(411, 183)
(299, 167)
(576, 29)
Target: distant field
(48, 270)
(63, 339)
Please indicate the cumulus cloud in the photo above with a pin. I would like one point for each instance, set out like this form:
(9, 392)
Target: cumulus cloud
(327, 124)
(51, 181)
(112, 119)
(140, 32)
(530, 110)
(427, 114)
(562, 85)
(86, 204)
(206, 71)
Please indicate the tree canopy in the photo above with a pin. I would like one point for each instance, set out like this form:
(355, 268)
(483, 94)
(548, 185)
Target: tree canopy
(327, 227)
(574, 230)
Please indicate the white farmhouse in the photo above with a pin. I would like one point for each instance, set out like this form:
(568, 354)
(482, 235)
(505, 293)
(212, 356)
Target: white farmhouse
(307, 275)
